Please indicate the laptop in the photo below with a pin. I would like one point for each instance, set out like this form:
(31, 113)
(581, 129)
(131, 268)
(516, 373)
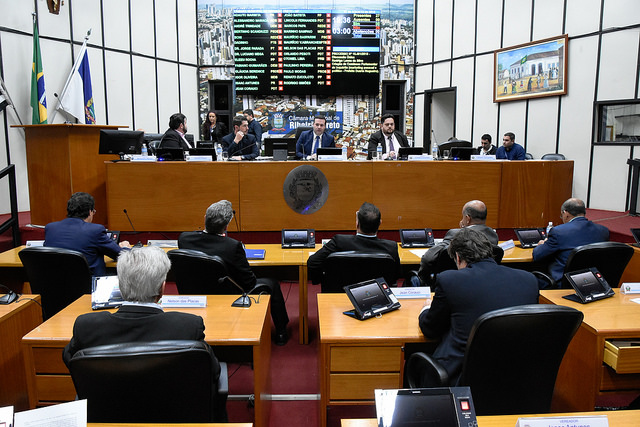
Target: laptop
(416, 238)
(404, 152)
(589, 284)
(529, 237)
(636, 235)
(169, 154)
(370, 298)
(462, 153)
(299, 238)
(105, 292)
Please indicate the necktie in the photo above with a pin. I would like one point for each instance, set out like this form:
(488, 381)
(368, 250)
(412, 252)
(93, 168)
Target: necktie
(391, 145)
(316, 144)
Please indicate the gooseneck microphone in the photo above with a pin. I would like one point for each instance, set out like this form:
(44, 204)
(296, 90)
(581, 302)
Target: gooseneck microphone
(244, 300)
(139, 244)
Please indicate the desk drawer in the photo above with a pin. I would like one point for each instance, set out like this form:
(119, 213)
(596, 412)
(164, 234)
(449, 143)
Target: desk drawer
(55, 388)
(360, 386)
(48, 360)
(623, 355)
(366, 359)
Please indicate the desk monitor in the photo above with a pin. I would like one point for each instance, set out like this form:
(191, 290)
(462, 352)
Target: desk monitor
(529, 237)
(329, 151)
(404, 152)
(169, 154)
(462, 153)
(589, 284)
(121, 142)
(299, 238)
(448, 145)
(370, 298)
(269, 142)
(416, 238)
(280, 151)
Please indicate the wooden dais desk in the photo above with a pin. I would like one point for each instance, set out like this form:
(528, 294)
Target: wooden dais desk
(583, 376)
(49, 381)
(356, 357)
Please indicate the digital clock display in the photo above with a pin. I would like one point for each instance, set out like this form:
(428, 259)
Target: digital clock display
(306, 52)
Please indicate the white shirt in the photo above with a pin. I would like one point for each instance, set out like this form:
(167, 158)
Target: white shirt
(396, 145)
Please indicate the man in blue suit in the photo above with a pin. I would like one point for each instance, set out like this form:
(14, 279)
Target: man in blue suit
(240, 144)
(478, 286)
(77, 232)
(562, 239)
(309, 141)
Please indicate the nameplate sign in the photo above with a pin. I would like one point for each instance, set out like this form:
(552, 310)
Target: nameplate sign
(31, 243)
(184, 301)
(199, 158)
(483, 157)
(141, 158)
(587, 421)
(163, 243)
(330, 157)
(630, 288)
(420, 157)
(411, 292)
(507, 245)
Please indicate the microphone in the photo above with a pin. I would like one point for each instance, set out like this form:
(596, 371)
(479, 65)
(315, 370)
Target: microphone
(139, 244)
(238, 152)
(244, 300)
(236, 219)
(12, 296)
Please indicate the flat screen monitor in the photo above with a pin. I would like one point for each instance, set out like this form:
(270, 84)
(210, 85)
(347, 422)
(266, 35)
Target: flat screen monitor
(121, 142)
(269, 142)
(462, 153)
(405, 152)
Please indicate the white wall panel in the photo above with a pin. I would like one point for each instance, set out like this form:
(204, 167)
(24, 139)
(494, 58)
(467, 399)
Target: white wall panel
(53, 25)
(14, 13)
(168, 102)
(116, 24)
(463, 81)
(489, 25)
(517, 22)
(442, 76)
(143, 30)
(118, 74)
(576, 116)
(189, 96)
(424, 31)
(144, 95)
(166, 29)
(443, 30)
(418, 121)
(547, 19)
(609, 183)
(620, 13)
(542, 125)
(512, 119)
(464, 24)
(618, 69)
(423, 78)
(187, 32)
(583, 16)
(86, 15)
(486, 111)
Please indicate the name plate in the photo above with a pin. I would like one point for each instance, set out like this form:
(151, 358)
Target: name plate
(199, 158)
(483, 157)
(586, 421)
(411, 292)
(507, 245)
(420, 157)
(330, 157)
(630, 288)
(141, 158)
(184, 301)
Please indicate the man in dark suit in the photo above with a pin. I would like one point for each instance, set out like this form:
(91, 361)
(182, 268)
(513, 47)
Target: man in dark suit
(77, 232)
(240, 144)
(214, 241)
(174, 137)
(254, 126)
(141, 277)
(474, 215)
(478, 286)
(577, 230)
(310, 140)
(368, 220)
(388, 137)
(486, 148)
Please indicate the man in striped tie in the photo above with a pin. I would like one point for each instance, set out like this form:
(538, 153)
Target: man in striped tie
(389, 137)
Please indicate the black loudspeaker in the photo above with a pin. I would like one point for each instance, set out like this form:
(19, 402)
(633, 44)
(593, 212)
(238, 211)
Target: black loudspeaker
(393, 101)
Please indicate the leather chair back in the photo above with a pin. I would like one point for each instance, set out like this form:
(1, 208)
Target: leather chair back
(513, 356)
(59, 275)
(610, 258)
(349, 267)
(150, 382)
(197, 273)
(553, 156)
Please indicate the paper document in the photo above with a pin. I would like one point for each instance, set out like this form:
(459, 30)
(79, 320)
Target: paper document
(70, 414)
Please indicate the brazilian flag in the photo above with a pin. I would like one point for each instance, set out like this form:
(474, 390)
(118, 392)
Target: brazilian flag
(524, 59)
(38, 95)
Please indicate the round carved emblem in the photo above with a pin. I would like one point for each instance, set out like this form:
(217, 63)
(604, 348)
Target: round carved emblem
(305, 189)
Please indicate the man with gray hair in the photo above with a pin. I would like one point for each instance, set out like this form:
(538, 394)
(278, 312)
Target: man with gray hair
(214, 241)
(474, 215)
(141, 276)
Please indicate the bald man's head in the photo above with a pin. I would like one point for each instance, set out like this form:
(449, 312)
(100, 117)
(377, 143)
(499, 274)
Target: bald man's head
(474, 212)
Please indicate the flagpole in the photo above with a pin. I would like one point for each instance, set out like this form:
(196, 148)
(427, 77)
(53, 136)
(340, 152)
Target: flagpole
(76, 64)
(5, 92)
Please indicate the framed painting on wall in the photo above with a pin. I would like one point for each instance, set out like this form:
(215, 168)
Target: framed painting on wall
(531, 70)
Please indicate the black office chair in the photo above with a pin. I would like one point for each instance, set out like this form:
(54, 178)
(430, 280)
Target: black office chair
(528, 156)
(301, 129)
(349, 267)
(610, 258)
(553, 156)
(59, 275)
(197, 273)
(151, 382)
(511, 360)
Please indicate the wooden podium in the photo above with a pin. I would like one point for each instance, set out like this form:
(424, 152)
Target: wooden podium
(63, 159)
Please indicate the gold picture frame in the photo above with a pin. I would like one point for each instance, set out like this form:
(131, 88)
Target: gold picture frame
(531, 70)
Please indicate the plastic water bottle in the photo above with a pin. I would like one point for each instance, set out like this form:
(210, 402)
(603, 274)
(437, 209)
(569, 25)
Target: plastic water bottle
(379, 152)
(143, 150)
(219, 152)
(344, 151)
(549, 227)
(434, 150)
